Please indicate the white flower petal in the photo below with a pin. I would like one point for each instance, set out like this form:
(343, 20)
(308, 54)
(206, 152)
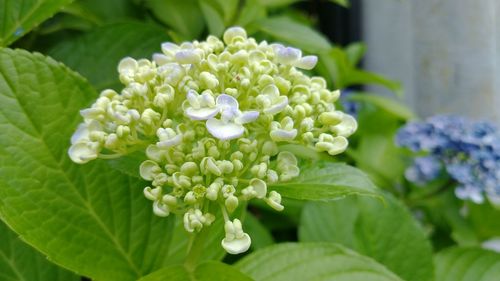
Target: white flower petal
(161, 59)
(260, 187)
(271, 91)
(237, 246)
(82, 152)
(149, 169)
(127, 65)
(169, 48)
(170, 142)
(81, 134)
(339, 145)
(223, 130)
(160, 209)
(187, 57)
(154, 153)
(346, 127)
(202, 113)
(283, 135)
(227, 101)
(233, 32)
(288, 55)
(307, 62)
(280, 104)
(247, 117)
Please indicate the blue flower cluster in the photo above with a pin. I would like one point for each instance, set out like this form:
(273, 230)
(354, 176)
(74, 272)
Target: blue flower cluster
(468, 151)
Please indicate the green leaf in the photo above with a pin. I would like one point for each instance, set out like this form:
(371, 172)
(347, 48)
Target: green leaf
(99, 12)
(312, 261)
(19, 17)
(276, 3)
(484, 218)
(18, 261)
(339, 67)
(184, 17)
(208, 271)
(355, 52)
(87, 218)
(251, 12)
(386, 232)
(261, 237)
(214, 18)
(389, 105)
(343, 3)
(96, 54)
(298, 35)
(325, 181)
(467, 264)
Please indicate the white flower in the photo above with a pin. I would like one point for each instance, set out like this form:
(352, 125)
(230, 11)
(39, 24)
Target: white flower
(346, 127)
(271, 101)
(236, 241)
(83, 152)
(274, 201)
(149, 169)
(283, 131)
(230, 125)
(333, 145)
(287, 166)
(202, 107)
(168, 137)
(292, 56)
(194, 219)
(82, 149)
(160, 209)
(256, 189)
(234, 32)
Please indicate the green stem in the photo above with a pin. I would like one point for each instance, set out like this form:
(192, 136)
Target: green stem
(196, 245)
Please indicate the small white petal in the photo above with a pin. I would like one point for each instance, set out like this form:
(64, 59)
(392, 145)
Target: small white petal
(247, 117)
(187, 57)
(280, 104)
(227, 101)
(339, 145)
(81, 134)
(168, 48)
(307, 62)
(82, 152)
(154, 153)
(161, 59)
(288, 55)
(283, 135)
(346, 127)
(233, 32)
(237, 246)
(260, 187)
(223, 130)
(271, 91)
(127, 65)
(149, 169)
(170, 142)
(160, 209)
(202, 113)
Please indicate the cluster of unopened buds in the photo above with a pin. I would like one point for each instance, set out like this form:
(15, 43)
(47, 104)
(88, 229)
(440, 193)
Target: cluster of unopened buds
(211, 117)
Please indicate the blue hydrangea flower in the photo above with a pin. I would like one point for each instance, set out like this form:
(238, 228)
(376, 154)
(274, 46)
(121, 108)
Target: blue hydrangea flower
(468, 151)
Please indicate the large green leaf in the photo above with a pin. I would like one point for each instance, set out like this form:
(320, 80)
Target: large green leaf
(389, 105)
(467, 264)
(90, 219)
(298, 35)
(325, 181)
(19, 261)
(208, 271)
(96, 54)
(312, 261)
(383, 231)
(184, 17)
(20, 16)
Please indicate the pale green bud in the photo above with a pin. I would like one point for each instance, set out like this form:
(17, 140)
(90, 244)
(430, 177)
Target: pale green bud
(160, 179)
(208, 80)
(152, 193)
(209, 166)
(190, 198)
(181, 180)
(149, 169)
(331, 118)
(189, 169)
(231, 203)
(270, 148)
(169, 200)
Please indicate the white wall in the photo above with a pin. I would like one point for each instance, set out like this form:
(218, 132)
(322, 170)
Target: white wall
(446, 52)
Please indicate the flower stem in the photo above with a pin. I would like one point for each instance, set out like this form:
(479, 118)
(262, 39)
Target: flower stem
(195, 249)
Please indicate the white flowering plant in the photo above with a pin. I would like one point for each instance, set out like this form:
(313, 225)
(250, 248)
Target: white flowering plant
(194, 140)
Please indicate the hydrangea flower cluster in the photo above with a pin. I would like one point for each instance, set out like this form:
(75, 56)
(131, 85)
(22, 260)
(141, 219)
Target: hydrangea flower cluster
(468, 151)
(210, 116)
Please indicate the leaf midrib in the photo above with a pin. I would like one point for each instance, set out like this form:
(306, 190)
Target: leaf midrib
(91, 211)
